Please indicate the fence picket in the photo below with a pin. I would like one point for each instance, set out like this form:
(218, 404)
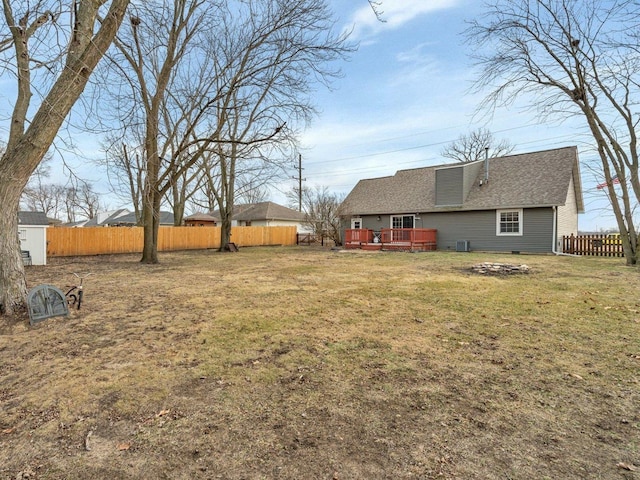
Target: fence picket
(600, 245)
(66, 242)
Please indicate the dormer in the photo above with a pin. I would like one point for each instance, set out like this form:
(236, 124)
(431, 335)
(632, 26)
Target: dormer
(454, 182)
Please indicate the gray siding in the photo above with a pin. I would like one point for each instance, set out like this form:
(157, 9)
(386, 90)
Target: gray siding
(471, 173)
(479, 228)
(449, 186)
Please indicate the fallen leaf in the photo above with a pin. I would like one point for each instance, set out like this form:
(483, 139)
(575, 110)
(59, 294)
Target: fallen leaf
(627, 466)
(124, 446)
(7, 431)
(162, 413)
(575, 375)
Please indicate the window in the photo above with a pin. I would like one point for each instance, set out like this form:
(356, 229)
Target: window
(356, 223)
(509, 222)
(22, 234)
(402, 221)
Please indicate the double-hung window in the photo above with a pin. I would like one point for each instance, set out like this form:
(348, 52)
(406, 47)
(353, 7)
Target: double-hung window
(509, 222)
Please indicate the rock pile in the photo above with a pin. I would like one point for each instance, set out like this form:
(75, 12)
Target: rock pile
(488, 268)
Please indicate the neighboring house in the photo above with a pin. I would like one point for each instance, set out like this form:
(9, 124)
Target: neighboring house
(201, 220)
(119, 218)
(129, 220)
(32, 233)
(518, 203)
(265, 214)
(102, 219)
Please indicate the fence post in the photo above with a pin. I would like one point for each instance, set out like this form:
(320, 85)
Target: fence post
(572, 244)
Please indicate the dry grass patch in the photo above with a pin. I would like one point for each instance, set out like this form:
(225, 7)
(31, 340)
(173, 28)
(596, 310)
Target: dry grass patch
(300, 363)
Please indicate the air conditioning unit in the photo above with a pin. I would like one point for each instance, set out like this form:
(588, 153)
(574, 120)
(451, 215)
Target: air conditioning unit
(463, 246)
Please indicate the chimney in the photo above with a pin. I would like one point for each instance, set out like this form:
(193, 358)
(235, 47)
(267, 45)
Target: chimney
(486, 165)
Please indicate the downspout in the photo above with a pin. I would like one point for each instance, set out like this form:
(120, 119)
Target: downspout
(554, 236)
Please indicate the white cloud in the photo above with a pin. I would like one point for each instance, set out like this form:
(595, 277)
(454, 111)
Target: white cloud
(395, 13)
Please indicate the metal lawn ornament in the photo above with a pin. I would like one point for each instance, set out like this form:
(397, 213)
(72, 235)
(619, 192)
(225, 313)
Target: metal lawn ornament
(45, 301)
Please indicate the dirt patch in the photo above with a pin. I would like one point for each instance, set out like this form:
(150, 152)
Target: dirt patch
(291, 363)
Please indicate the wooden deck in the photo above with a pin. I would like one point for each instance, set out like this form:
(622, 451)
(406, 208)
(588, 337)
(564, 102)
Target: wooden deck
(402, 239)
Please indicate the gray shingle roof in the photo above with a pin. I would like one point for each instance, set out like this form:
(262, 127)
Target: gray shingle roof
(166, 218)
(106, 218)
(202, 217)
(263, 211)
(32, 218)
(534, 179)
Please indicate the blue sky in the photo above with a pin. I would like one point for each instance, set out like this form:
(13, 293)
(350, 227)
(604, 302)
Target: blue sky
(406, 93)
(403, 96)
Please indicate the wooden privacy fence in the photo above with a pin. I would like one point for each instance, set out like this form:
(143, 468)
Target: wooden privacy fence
(593, 245)
(66, 242)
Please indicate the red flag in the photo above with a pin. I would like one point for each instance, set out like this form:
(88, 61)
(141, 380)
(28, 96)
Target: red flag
(615, 181)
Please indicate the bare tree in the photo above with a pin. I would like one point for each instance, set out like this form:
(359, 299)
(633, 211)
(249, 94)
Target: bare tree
(475, 146)
(38, 195)
(28, 38)
(45, 197)
(152, 49)
(571, 58)
(76, 198)
(224, 84)
(81, 201)
(376, 7)
(252, 190)
(283, 47)
(125, 168)
(321, 209)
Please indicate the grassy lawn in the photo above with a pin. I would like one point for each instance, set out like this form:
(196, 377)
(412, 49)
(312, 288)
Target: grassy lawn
(297, 363)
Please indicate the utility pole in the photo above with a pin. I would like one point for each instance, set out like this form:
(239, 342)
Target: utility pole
(300, 180)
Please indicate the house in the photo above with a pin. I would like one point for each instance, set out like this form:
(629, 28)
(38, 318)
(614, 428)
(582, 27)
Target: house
(118, 218)
(102, 219)
(129, 220)
(264, 214)
(201, 220)
(515, 203)
(32, 233)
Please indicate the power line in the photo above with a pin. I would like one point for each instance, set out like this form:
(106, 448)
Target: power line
(421, 161)
(426, 145)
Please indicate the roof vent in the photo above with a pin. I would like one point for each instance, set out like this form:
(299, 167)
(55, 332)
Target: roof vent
(486, 165)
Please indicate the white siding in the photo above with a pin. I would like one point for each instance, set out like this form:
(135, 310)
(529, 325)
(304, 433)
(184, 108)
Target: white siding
(568, 214)
(34, 239)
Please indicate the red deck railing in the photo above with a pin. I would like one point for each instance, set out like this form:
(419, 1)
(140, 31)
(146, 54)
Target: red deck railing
(360, 235)
(392, 238)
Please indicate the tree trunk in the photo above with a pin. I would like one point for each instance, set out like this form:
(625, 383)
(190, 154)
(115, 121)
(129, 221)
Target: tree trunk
(179, 201)
(225, 230)
(13, 285)
(151, 226)
(26, 148)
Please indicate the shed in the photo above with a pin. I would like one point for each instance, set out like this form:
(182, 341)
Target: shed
(32, 233)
